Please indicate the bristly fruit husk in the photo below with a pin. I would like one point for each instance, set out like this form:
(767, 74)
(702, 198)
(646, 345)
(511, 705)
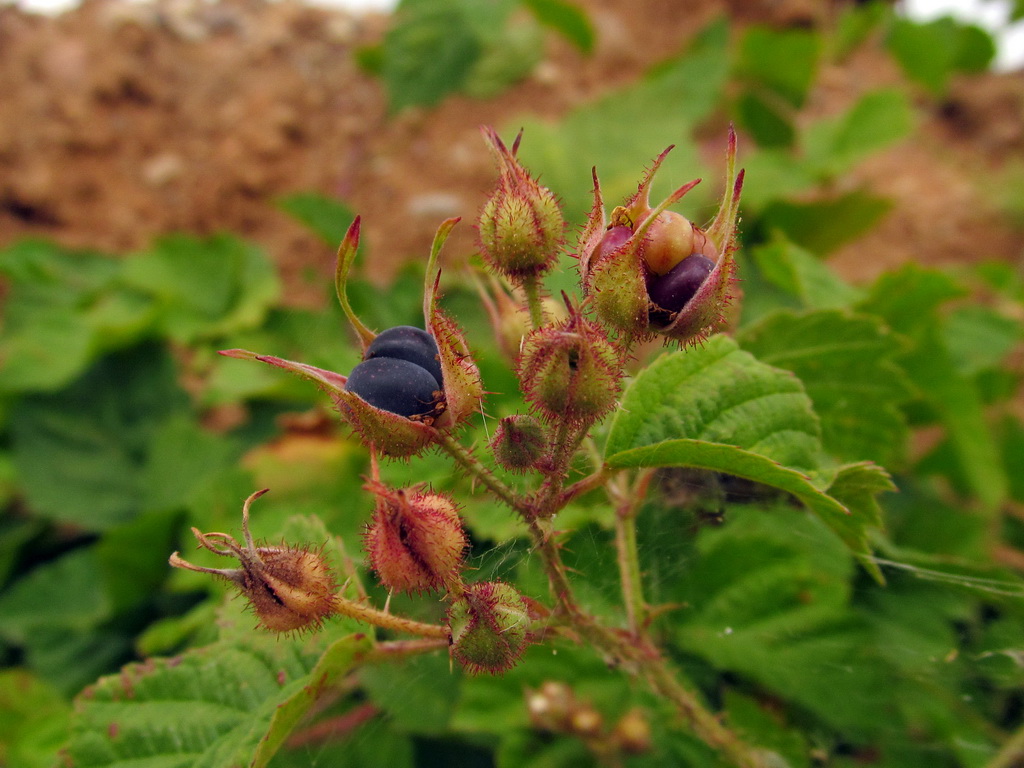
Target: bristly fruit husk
(489, 625)
(391, 433)
(521, 226)
(289, 588)
(415, 540)
(623, 259)
(570, 371)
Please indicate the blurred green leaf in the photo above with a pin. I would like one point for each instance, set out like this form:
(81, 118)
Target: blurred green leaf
(908, 301)
(879, 118)
(34, 725)
(785, 62)
(979, 338)
(326, 217)
(567, 19)
(132, 557)
(823, 226)
(801, 274)
(66, 594)
(511, 53)
(847, 364)
(82, 453)
(854, 26)
(624, 130)
(930, 52)
(205, 287)
(765, 123)
(419, 696)
(428, 53)
(55, 313)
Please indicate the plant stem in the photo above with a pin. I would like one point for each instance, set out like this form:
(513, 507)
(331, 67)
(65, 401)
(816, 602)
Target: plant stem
(471, 464)
(708, 728)
(368, 615)
(627, 502)
(629, 571)
(531, 287)
(1011, 752)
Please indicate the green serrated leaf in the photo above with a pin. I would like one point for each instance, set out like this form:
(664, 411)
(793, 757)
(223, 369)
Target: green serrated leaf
(718, 393)
(847, 364)
(718, 408)
(336, 662)
(222, 706)
(767, 597)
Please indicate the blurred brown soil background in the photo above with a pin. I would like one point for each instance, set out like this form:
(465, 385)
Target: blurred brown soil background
(120, 122)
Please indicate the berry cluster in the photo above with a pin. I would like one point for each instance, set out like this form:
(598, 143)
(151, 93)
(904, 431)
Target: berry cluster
(645, 272)
(401, 373)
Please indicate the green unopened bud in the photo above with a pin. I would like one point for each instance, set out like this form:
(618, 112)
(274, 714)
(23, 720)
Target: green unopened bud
(489, 627)
(521, 226)
(518, 443)
(570, 370)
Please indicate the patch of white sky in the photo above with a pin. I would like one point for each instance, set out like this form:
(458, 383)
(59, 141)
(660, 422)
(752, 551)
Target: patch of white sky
(992, 15)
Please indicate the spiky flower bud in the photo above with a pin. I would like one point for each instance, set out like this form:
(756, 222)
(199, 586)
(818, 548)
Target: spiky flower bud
(518, 443)
(289, 588)
(489, 625)
(570, 371)
(521, 226)
(650, 271)
(415, 540)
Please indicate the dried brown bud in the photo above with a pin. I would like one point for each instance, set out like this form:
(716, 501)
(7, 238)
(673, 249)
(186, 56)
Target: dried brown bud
(289, 588)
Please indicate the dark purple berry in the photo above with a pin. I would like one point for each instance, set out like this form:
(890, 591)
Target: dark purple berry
(405, 342)
(395, 385)
(672, 290)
